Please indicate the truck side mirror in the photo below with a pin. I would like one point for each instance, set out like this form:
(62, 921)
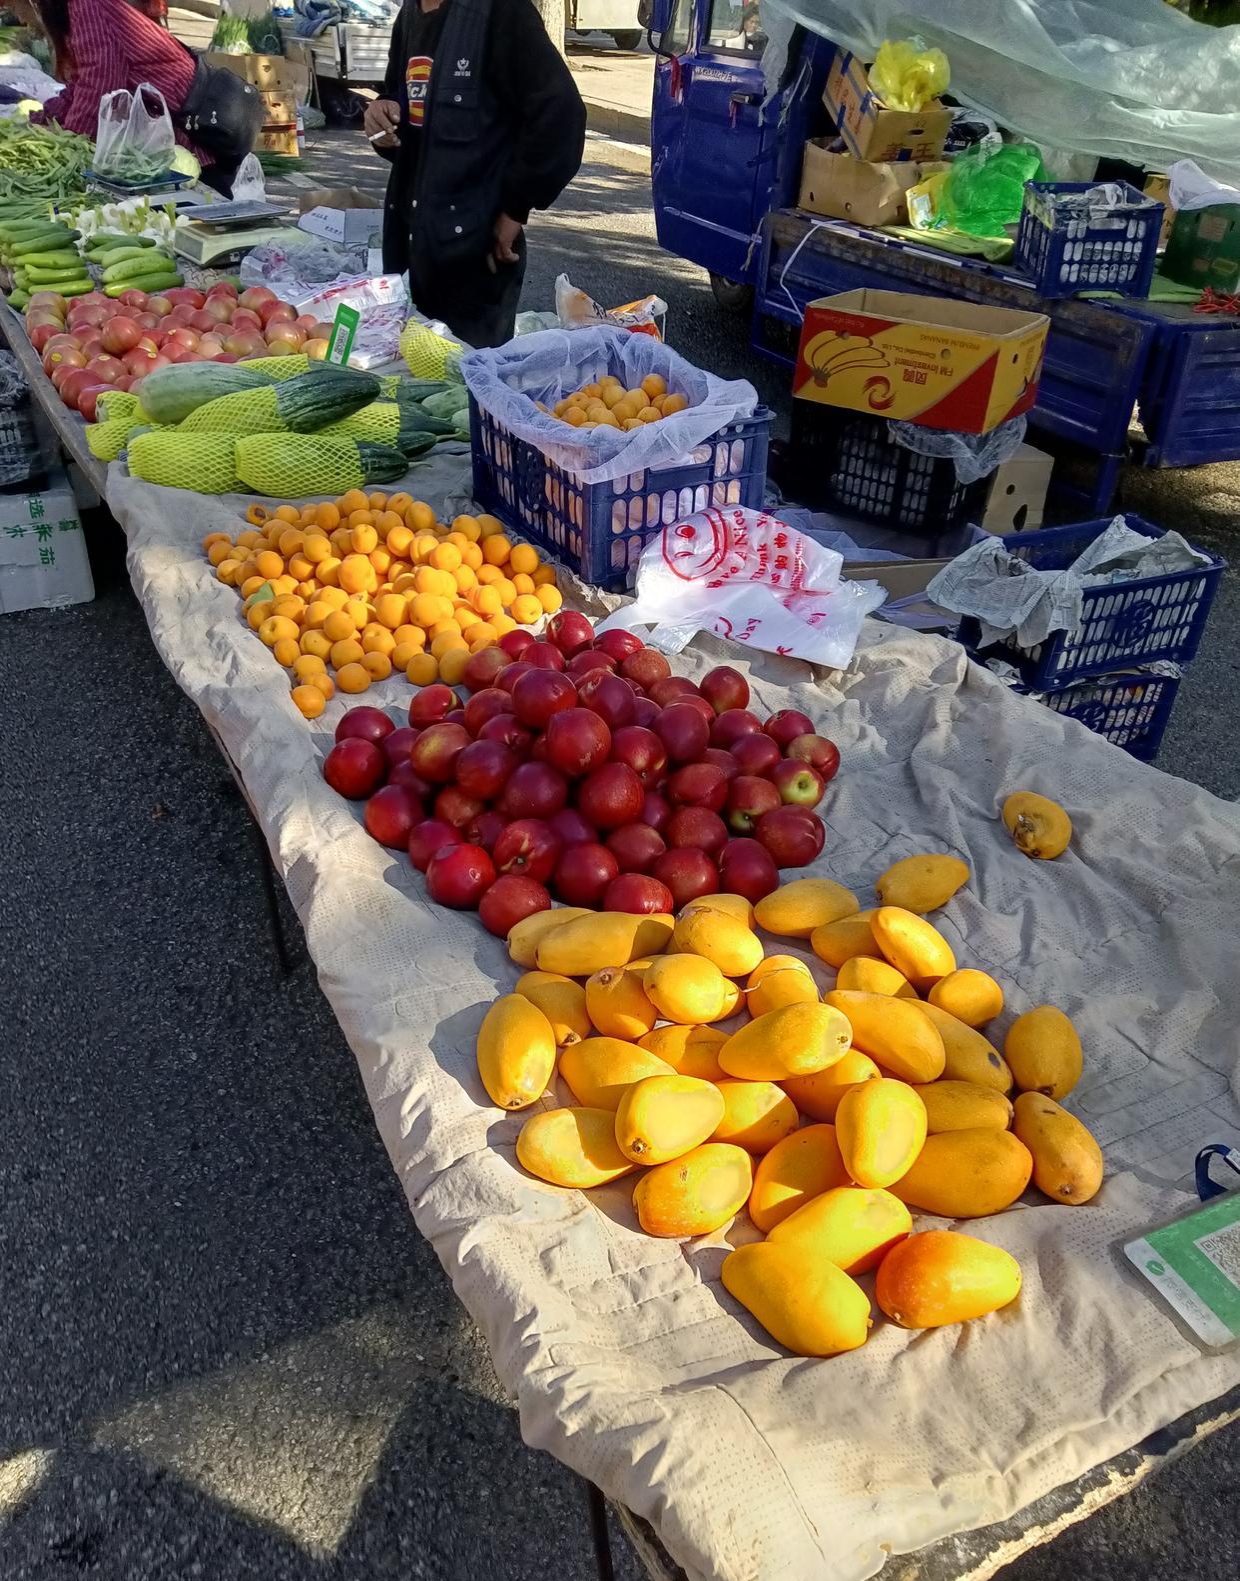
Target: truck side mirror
(657, 16)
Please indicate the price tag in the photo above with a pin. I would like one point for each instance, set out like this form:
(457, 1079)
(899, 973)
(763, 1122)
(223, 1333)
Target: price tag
(1194, 1264)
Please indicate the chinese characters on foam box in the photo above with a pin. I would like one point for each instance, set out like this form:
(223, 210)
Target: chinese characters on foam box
(43, 559)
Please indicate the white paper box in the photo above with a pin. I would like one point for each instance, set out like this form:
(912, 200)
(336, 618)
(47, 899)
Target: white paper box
(43, 559)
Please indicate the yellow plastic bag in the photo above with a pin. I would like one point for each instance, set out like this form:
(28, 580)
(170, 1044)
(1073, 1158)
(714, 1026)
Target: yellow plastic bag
(908, 76)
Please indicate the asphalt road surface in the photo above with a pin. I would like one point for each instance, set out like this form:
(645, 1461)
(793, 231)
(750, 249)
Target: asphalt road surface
(226, 1352)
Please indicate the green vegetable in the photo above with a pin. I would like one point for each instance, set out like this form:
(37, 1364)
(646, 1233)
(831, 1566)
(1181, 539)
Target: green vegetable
(301, 405)
(123, 253)
(446, 404)
(204, 462)
(17, 299)
(44, 275)
(40, 241)
(148, 283)
(102, 241)
(71, 287)
(42, 162)
(50, 260)
(290, 466)
(170, 394)
(135, 264)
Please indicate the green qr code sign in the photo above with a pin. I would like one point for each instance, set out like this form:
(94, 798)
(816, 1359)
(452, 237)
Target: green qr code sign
(1194, 1264)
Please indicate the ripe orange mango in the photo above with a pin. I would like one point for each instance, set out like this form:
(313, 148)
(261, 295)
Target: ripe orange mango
(851, 1226)
(801, 1167)
(696, 1194)
(880, 1126)
(941, 1276)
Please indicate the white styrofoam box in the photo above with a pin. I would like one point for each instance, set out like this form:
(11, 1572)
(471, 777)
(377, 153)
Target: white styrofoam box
(43, 559)
(1016, 498)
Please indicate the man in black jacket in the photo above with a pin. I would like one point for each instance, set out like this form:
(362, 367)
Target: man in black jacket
(482, 122)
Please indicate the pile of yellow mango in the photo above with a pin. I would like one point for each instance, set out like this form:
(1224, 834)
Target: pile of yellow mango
(905, 1099)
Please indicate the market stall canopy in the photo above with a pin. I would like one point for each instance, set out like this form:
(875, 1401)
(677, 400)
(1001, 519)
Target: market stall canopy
(1136, 80)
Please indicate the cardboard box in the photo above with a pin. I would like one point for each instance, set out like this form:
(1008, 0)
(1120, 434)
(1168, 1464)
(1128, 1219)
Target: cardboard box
(268, 73)
(279, 109)
(1016, 498)
(928, 360)
(844, 188)
(870, 130)
(43, 559)
(898, 578)
(278, 140)
(1159, 188)
(340, 214)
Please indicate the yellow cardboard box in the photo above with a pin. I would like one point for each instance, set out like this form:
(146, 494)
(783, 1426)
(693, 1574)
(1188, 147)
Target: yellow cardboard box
(870, 130)
(928, 360)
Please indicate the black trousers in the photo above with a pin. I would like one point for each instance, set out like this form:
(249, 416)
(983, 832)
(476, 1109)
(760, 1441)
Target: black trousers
(475, 304)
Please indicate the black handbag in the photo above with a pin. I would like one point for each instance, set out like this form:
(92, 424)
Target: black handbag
(222, 114)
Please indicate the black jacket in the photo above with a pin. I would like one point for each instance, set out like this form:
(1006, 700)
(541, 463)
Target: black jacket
(503, 132)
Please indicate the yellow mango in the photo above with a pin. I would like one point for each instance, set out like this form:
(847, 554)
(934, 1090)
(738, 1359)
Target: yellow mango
(602, 938)
(733, 999)
(922, 883)
(756, 1115)
(837, 942)
(880, 1126)
(804, 1165)
(617, 1005)
(525, 937)
(1067, 1161)
(690, 1051)
(971, 996)
(864, 975)
(696, 1194)
(968, 1054)
(913, 946)
(893, 1032)
(561, 1000)
(794, 910)
(941, 1276)
(516, 1052)
(967, 1174)
(1039, 827)
(599, 1070)
(661, 1117)
(734, 948)
(735, 906)
(962, 1106)
(780, 980)
(686, 988)
(853, 1227)
(818, 1096)
(1044, 1052)
(807, 1305)
(572, 1147)
(794, 1041)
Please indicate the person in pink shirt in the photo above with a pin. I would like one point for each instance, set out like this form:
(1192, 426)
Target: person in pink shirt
(100, 46)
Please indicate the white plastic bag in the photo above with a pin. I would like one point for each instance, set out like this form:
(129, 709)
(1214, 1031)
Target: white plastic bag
(382, 306)
(134, 141)
(748, 576)
(248, 184)
(507, 380)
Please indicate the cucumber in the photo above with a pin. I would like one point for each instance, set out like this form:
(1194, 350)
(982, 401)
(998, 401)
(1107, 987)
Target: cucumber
(70, 287)
(17, 300)
(51, 260)
(49, 279)
(101, 241)
(41, 241)
(151, 284)
(118, 255)
(139, 263)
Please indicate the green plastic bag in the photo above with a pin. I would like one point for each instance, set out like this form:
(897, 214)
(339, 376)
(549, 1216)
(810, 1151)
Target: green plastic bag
(985, 188)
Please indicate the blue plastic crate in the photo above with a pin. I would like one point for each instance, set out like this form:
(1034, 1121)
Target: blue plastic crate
(1130, 711)
(1122, 623)
(599, 529)
(1065, 251)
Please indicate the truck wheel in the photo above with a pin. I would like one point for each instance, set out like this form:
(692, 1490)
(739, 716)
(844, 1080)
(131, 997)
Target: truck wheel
(732, 295)
(627, 37)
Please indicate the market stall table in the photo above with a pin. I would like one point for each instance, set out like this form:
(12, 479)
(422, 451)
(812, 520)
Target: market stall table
(626, 1359)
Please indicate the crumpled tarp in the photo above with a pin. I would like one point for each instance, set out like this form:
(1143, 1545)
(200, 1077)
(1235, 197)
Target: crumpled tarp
(1138, 81)
(628, 1360)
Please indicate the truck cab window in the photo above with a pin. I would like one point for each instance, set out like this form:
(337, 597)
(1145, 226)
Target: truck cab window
(736, 28)
(676, 39)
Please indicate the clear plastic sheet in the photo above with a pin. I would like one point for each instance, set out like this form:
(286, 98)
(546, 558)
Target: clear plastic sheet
(975, 455)
(1138, 81)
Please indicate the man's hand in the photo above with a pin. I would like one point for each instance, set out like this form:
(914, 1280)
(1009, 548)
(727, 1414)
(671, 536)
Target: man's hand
(506, 234)
(381, 121)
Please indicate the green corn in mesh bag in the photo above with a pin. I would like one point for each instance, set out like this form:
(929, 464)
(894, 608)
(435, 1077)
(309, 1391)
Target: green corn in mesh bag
(985, 188)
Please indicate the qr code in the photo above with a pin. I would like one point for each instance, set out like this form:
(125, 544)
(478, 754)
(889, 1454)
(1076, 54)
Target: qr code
(1222, 1247)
